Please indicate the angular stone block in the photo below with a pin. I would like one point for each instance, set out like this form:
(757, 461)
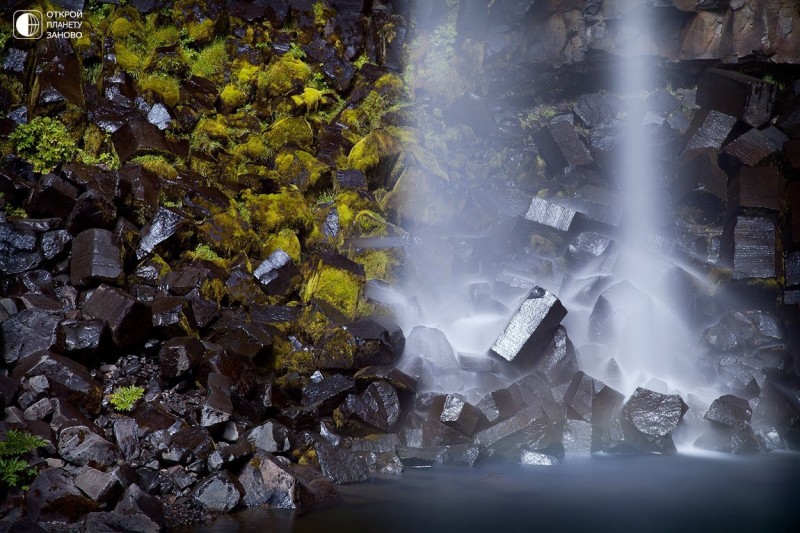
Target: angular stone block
(129, 319)
(713, 132)
(560, 146)
(752, 147)
(531, 327)
(96, 257)
(738, 95)
(760, 188)
(754, 248)
(164, 224)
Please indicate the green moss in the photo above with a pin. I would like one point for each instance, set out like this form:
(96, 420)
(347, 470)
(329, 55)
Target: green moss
(290, 131)
(227, 233)
(320, 13)
(284, 75)
(210, 62)
(254, 148)
(339, 288)
(273, 212)
(361, 61)
(203, 252)
(378, 264)
(157, 164)
(167, 87)
(370, 224)
(299, 168)
(286, 239)
(43, 142)
(232, 96)
(311, 99)
(301, 362)
(213, 289)
(369, 151)
(125, 398)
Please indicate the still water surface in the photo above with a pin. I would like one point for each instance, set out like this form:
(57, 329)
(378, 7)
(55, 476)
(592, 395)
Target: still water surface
(627, 494)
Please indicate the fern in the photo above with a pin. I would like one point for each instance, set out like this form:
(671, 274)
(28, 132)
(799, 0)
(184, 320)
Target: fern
(14, 471)
(124, 398)
(20, 442)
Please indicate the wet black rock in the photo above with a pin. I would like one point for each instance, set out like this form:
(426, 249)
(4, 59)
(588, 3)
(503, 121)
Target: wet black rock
(454, 412)
(595, 109)
(277, 274)
(18, 250)
(652, 417)
(560, 146)
(96, 257)
(752, 147)
(531, 328)
(66, 379)
(217, 407)
(341, 466)
(378, 406)
(736, 439)
(54, 496)
(98, 485)
(551, 214)
(351, 179)
(247, 340)
(729, 410)
(93, 209)
(530, 427)
(180, 355)
(135, 501)
(218, 493)
(328, 393)
(754, 248)
(713, 132)
(591, 400)
(188, 445)
(377, 343)
(28, 332)
(80, 445)
(112, 522)
(129, 319)
(266, 481)
(82, 338)
(164, 224)
(418, 457)
(558, 362)
(52, 197)
(737, 94)
(529, 458)
(139, 137)
(401, 381)
(269, 437)
(759, 188)
(577, 438)
(432, 345)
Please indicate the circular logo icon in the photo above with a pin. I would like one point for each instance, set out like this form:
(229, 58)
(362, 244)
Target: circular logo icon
(27, 24)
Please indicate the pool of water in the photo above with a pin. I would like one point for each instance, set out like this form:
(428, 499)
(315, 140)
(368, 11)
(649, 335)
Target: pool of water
(601, 493)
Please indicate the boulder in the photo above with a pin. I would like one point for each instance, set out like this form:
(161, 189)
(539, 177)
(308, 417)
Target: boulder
(453, 411)
(128, 319)
(712, 132)
(738, 95)
(219, 493)
(378, 406)
(729, 410)
(560, 146)
(18, 249)
(341, 466)
(269, 437)
(328, 393)
(531, 327)
(752, 147)
(736, 439)
(558, 362)
(432, 345)
(80, 445)
(96, 257)
(53, 496)
(754, 248)
(649, 418)
(98, 485)
(66, 379)
(277, 274)
(550, 214)
(164, 224)
(759, 188)
(267, 482)
(28, 332)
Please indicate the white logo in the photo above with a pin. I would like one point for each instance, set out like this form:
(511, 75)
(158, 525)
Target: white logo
(28, 24)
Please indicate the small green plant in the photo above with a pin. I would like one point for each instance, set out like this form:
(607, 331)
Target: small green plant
(296, 52)
(124, 398)
(44, 142)
(14, 470)
(326, 197)
(361, 61)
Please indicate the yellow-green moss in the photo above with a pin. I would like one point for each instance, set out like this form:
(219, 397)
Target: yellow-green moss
(294, 131)
(284, 75)
(210, 62)
(310, 98)
(286, 239)
(227, 233)
(205, 253)
(339, 288)
(253, 148)
(370, 224)
(368, 152)
(158, 165)
(300, 168)
(301, 362)
(232, 96)
(272, 212)
(213, 289)
(167, 87)
(43, 142)
(378, 264)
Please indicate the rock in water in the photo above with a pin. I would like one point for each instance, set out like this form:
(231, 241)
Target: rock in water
(531, 327)
(432, 345)
(649, 418)
(219, 492)
(729, 410)
(737, 439)
(559, 362)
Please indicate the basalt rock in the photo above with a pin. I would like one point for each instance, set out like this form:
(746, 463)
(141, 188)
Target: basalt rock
(128, 319)
(649, 418)
(26, 333)
(551, 214)
(712, 133)
(54, 496)
(560, 146)
(759, 188)
(219, 493)
(180, 355)
(270, 437)
(754, 248)
(96, 257)
(164, 224)
(729, 410)
(531, 327)
(558, 362)
(737, 95)
(18, 249)
(277, 274)
(736, 439)
(752, 148)
(454, 412)
(378, 406)
(341, 466)
(328, 393)
(65, 377)
(432, 345)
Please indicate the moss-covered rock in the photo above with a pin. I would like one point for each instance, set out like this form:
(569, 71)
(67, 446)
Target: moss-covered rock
(297, 167)
(269, 213)
(337, 281)
(291, 131)
(284, 75)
